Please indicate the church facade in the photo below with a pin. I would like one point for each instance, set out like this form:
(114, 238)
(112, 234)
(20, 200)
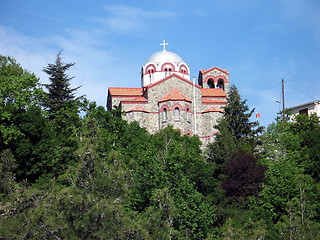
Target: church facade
(167, 96)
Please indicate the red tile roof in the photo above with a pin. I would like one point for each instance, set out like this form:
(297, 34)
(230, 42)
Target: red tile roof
(135, 100)
(213, 102)
(137, 108)
(212, 109)
(213, 92)
(205, 71)
(125, 92)
(174, 95)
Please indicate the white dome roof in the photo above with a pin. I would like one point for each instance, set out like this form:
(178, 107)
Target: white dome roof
(165, 56)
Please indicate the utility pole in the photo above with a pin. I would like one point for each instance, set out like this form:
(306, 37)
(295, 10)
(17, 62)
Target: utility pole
(283, 106)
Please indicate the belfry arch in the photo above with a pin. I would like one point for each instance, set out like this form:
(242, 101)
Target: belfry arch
(220, 83)
(210, 83)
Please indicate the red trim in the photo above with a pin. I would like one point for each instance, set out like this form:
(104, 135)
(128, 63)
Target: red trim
(209, 136)
(165, 66)
(188, 132)
(150, 66)
(186, 108)
(163, 107)
(183, 66)
(213, 68)
(176, 105)
(212, 109)
(137, 108)
(215, 79)
(213, 102)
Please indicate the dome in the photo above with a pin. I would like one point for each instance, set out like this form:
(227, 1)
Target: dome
(165, 56)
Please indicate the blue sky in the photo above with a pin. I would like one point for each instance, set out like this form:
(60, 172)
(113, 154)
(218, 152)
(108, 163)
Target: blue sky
(258, 41)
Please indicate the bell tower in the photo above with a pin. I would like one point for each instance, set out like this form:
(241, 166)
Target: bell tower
(214, 78)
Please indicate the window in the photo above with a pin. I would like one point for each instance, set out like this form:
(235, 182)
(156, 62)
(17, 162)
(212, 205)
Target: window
(304, 111)
(164, 115)
(188, 114)
(176, 114)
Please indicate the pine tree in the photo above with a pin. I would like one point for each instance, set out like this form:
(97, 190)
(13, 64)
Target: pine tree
(60, 94)
(238, 118)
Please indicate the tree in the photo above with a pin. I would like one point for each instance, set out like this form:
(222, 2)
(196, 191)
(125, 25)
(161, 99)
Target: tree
(290, 193)
(59, 87)
(236, 133)
(60, 95)
(63, 111)
(244, 177)
(238, 118)
(19, 90)
(23, 128)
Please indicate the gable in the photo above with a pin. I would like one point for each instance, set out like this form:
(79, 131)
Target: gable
(212, 69)
(174, 95)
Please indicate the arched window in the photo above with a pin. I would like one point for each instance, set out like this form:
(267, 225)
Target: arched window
(220, 83)
(188, 114)
(210, 83)
(176, 114)
(164, 115)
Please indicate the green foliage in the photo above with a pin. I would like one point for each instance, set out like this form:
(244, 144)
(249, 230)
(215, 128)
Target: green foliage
(100, 177)
(224, 148)
(60, 93)
(174, 162)
(238, 118)
(19, 90)
(244, 177)
(290, 194)
(7, 172)
(303, 123)
(244, 226)
(311, 145)
(236, 133)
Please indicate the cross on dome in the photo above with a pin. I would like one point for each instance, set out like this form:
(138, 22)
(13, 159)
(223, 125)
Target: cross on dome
(164, 44)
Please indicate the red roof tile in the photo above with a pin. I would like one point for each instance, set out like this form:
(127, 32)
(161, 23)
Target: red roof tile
(174, 95)
(213, 92)
(137, 108)
(212, 109)
(123, 92)
(137, 99)
(213, 102)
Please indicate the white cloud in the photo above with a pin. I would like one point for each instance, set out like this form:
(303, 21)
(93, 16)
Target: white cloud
(95, 70)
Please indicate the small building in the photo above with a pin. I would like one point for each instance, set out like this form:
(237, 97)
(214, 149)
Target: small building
(167, 96)
(306, 108)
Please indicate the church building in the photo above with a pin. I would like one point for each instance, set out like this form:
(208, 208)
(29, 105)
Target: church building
(167, 96)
